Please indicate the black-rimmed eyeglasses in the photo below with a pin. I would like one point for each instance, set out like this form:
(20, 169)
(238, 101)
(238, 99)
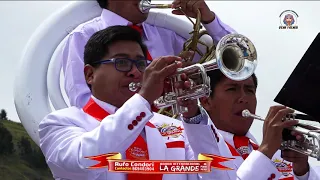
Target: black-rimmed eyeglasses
(125, 64)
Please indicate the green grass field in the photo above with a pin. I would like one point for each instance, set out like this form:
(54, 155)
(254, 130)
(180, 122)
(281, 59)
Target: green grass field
(13, 167)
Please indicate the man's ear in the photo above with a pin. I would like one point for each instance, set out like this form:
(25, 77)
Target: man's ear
(205, 102)
(88, 73)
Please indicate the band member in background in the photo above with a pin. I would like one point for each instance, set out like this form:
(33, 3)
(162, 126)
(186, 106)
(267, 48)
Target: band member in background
(227, 131)
(115, 119)
(159, 41)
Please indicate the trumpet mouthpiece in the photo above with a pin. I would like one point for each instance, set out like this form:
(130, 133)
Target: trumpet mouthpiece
(246, 113)
(146, 5)
(134, 86)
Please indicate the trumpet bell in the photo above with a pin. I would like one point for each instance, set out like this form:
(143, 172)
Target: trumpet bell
(236, 57)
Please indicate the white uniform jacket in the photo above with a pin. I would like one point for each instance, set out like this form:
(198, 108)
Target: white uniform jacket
(67, 136)
(206, 138)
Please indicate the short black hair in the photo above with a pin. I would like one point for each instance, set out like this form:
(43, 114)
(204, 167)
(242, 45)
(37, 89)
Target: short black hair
(217, 76)
(103, 3)
(97, 46)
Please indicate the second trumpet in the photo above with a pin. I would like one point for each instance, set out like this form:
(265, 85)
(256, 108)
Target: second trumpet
(310, 146)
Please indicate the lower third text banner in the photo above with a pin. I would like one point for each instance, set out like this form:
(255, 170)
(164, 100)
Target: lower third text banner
(114, 163)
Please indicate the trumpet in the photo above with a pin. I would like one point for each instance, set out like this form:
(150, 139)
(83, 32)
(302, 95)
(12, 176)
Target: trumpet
(310, 146)
(236, 58)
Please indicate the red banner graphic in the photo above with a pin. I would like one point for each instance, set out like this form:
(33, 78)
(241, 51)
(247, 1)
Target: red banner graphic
(204, 165)
(104, 159)
(215, 160)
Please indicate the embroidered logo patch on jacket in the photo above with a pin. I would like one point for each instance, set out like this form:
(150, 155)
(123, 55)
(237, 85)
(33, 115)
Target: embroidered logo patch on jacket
(138, 153)
(285, 168)
(168, 130)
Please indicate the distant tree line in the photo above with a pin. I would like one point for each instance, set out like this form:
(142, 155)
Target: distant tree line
(33, 156)
(24, 148)
(3, 114)
(6, 144)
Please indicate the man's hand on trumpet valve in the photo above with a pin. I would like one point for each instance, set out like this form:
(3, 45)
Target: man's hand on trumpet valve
(153, 81)
(187, 57)
(185, 83)
(190, 7)
(192, 105)
(272, 129)
(299, 161)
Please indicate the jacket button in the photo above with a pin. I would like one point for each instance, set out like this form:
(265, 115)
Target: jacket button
(130, 126)
(273, 176)
(134, 122)
(138, 118)
(142, 114)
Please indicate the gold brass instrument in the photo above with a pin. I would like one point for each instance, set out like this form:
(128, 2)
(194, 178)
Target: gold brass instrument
(310, 146)
(192, 43)
(235, 56)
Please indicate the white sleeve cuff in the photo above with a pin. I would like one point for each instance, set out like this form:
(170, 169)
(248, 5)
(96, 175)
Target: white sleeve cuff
(144, 101)
(201, 118)
(257, 166)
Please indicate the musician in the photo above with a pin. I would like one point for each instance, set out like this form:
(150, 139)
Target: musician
(227, 132)
(160, 41)
(115, 119)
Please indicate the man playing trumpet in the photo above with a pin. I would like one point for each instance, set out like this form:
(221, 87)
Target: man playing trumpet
(160, 41)
(115, 120)
(227, 132)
